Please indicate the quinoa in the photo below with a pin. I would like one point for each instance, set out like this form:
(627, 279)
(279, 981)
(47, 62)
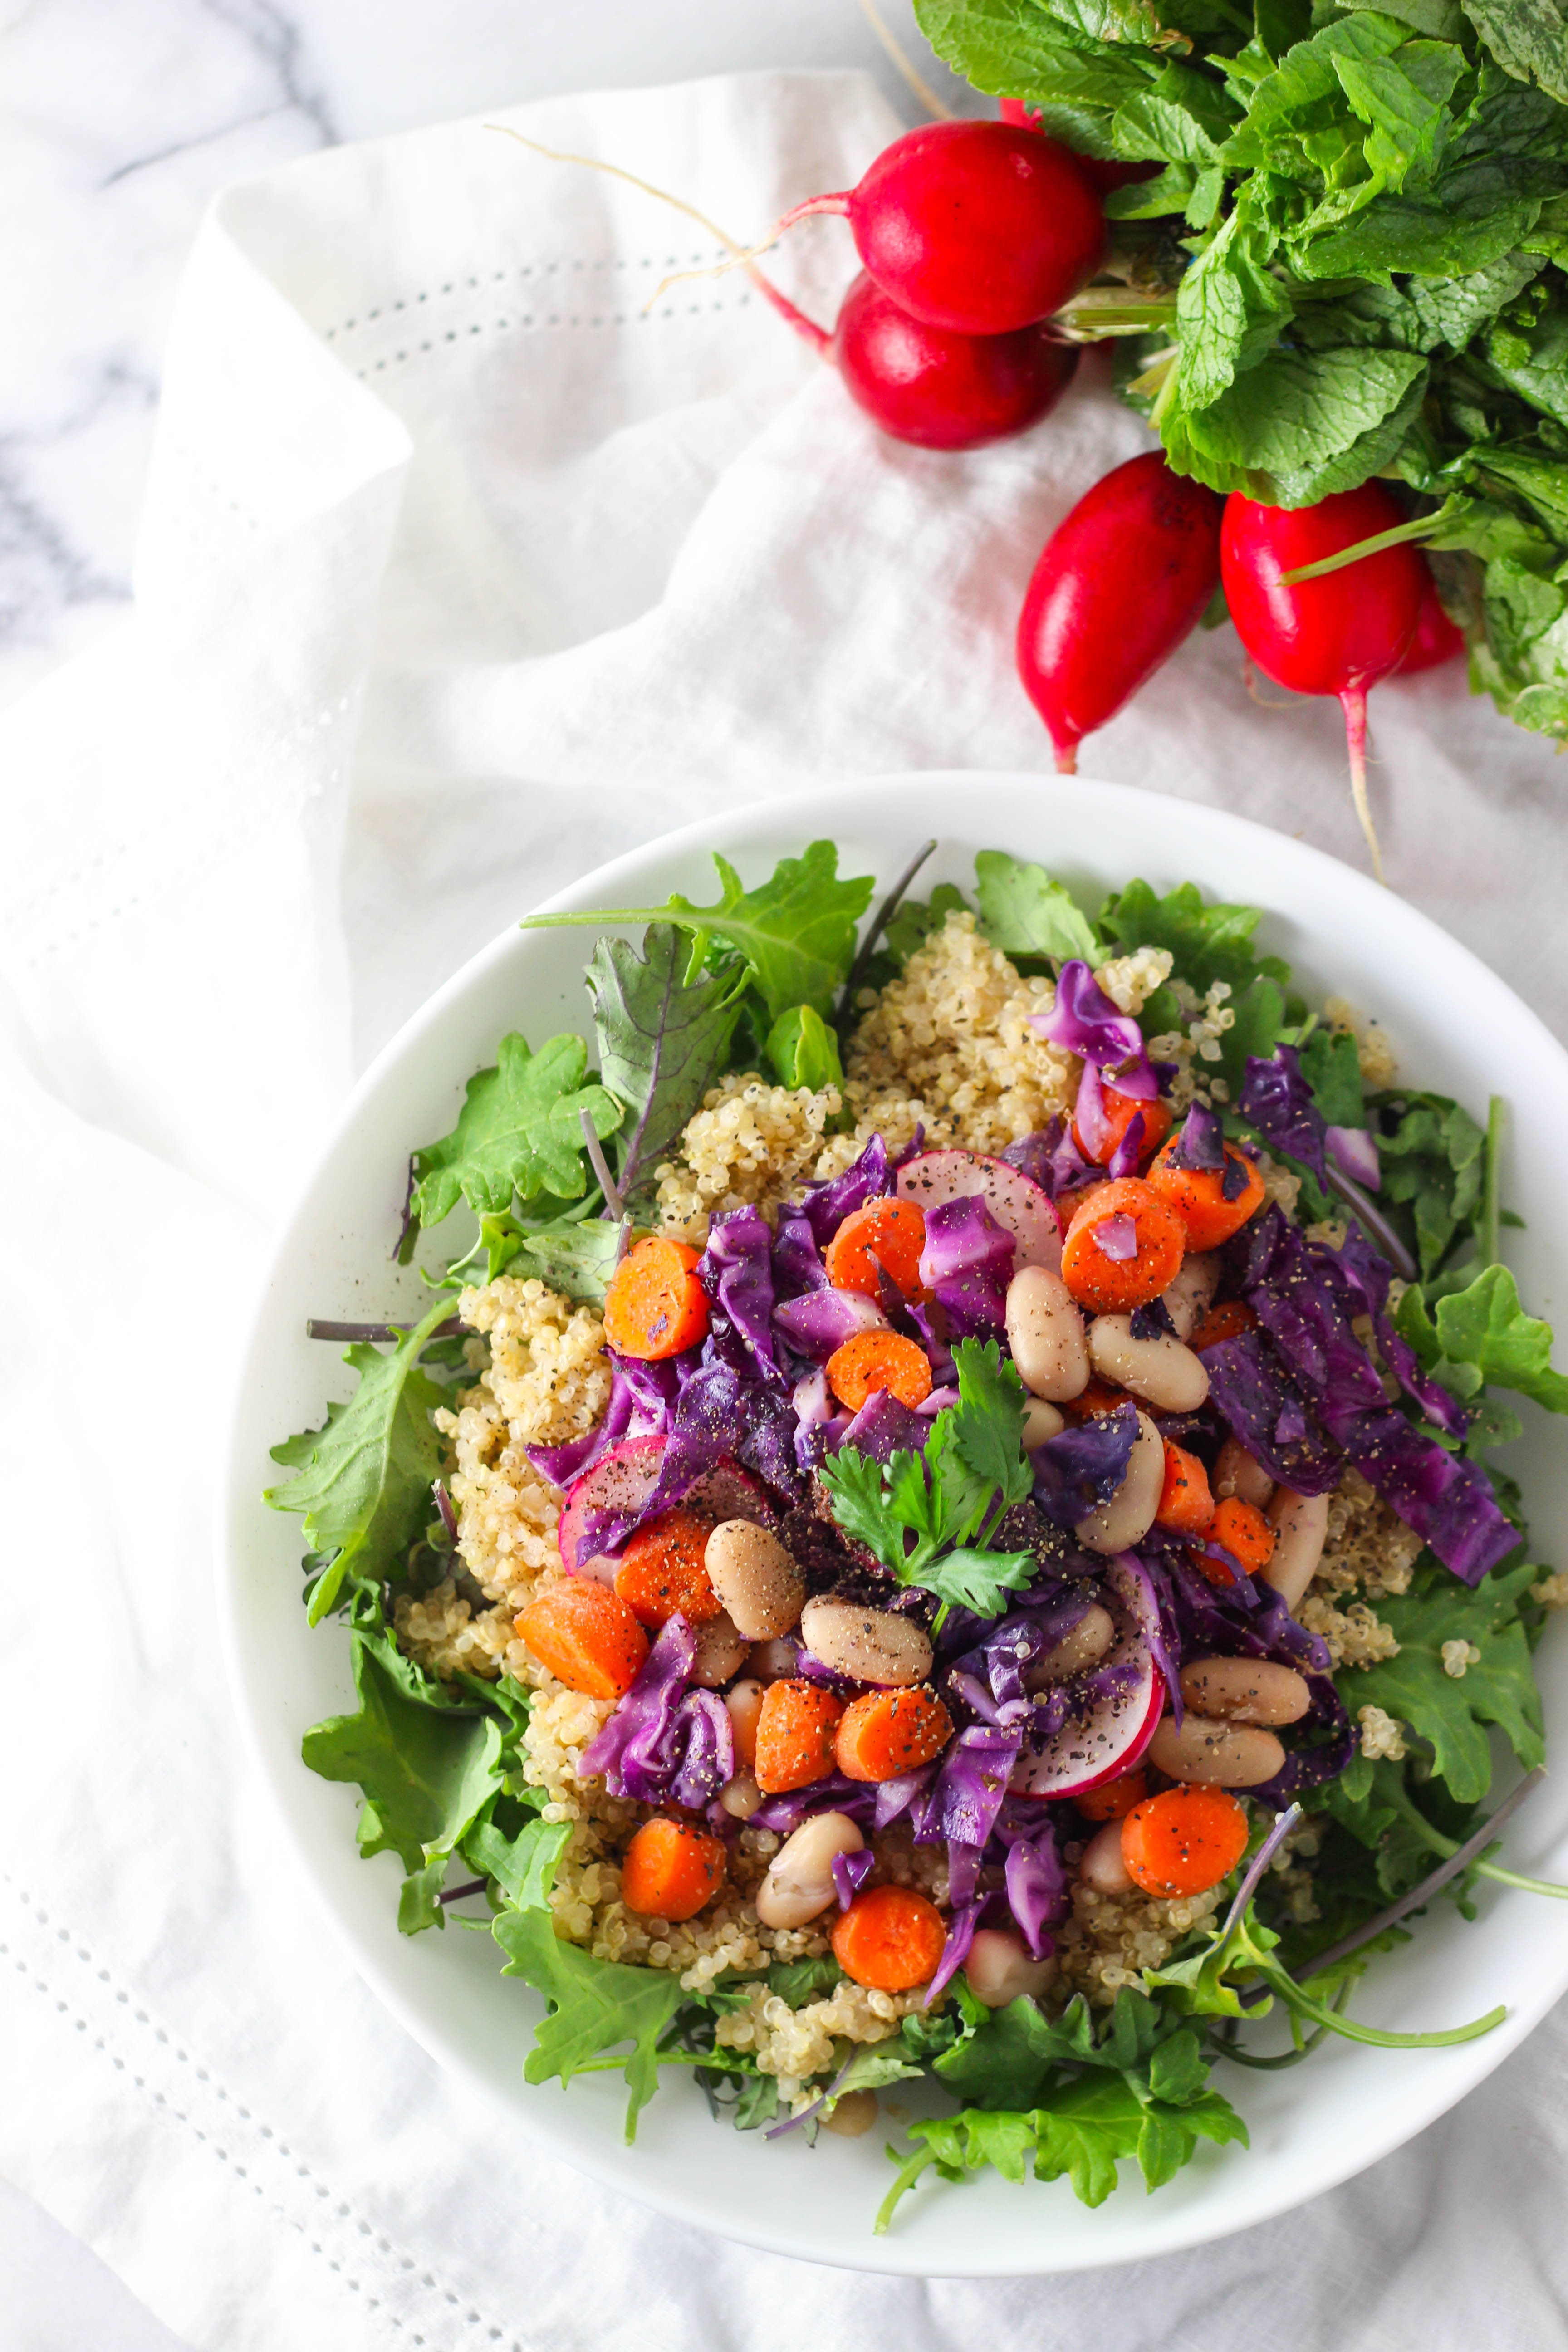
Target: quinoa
(1111, 1939)
(1207, 1018)
(1379, 1066)
(794, 2045)
(1382, 1734)
(750, 1142)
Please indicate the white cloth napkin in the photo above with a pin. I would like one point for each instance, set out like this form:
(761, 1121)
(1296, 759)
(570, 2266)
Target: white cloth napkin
(458, 575)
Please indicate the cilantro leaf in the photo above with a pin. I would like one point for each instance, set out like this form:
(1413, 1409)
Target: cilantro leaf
(804, 1050)
(796, 932)
(1450, 1711)
(1207, 942)
(662, 1040)
(857, 1488)
(365, 1475)
(428, 1768)
(1024, 913)
(596, 2006)
(980, 1581)
(986, 1424)
(520, 1131)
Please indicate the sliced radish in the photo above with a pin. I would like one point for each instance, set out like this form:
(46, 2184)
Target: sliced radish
(1015, 1200)
(1107, 1737)
(621, 1480)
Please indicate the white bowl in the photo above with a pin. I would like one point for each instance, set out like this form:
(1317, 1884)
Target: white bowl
(1456, 1027)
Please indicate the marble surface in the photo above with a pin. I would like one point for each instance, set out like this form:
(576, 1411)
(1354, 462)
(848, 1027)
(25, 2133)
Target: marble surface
(117, 126)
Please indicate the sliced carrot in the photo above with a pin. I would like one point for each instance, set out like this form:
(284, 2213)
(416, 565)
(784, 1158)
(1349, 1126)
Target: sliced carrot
(892, 1731)
(672, 1870)
(1120, 1110)
(663, 1572)
(878, 1359)
(1198, 1194)
(1185, 1502)
(1229, 1320)
(795, 1726)
(1100, 1396)
(1113, 1799)
(1183, 1840)
(655, 1305)
(586, 1635)
(889, 1938)
(891, 1232)
(1109, 1285)
(1244, 1531)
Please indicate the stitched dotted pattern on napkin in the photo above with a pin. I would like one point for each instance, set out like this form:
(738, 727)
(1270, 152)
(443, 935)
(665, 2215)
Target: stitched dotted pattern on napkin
(408, 307)
(159, 2055)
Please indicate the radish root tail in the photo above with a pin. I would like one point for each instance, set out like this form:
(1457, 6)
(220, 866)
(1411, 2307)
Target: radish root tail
(1354, 702)
(910, 73)
(740, 257)
(1067, 759)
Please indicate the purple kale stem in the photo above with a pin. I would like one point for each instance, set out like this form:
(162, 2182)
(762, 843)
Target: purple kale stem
(469, 1886)
(879, 921)
(1379, 1232)
(406, 1227)
(374, 1333)
(614, 1205)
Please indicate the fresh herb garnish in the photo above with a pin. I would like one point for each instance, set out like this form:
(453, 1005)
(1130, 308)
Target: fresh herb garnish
(519, 1132)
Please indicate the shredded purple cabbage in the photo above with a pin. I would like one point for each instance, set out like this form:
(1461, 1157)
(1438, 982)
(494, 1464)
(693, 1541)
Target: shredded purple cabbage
(1083, 1465)
(850, 1872)
(896, 1797)
(1277, 1100)
(1050, 1158)
(832, 1794)
(1200, 1141)
(870, 1178)
(1123, 1161)
(665, 1743)
(735, 1271)
(955, 1951)
(884, 1426)
(1090, 1115)
(562, 1464)
(1252, 1390)
(1084, 1021)
(967, 1264)
(819, 1321)
(1038, 1891)
(1116, 1238)
(964, 1800)
(796, 1260)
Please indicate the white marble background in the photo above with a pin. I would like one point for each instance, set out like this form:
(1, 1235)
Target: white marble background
(118, 120)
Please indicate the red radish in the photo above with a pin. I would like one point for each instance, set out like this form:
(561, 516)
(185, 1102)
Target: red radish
(1437, 640)
(978, 227)
(1105, 1737)
(938, 389)
(1123, 578)
(620, 1480)
(1337, 635)
(1102, 177)
(1015, 1200)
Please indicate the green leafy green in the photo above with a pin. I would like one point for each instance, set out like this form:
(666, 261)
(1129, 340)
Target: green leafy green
(1452, 1712)
(577, 1257)
(1432, 1162)
(596, 2006)
(1207, 942)
(364, 1476)
(519, 1132)
(1024, 913)
(1332, 1068)
(804, 1050)
(794, 933)
(950, 1498)
(662, 1038)
(1486, 1327)
(428, 1768)
(1529, 38)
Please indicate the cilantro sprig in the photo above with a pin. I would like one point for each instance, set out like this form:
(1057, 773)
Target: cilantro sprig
(928, 1517)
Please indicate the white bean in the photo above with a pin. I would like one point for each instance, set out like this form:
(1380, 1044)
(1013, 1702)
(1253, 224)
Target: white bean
(1169, 1376)
(1084, 1646)
(773, 1661)
(852, 2114)
(1300, 1522)
(1128, 1517)
(999, 1969)
(756, 1579)
(1045, 1331)
(1102, 1866)
(717, 1652)
(869, 1645)
(1224, 1755)
(1040, 1421)
(741, 1797)
(744, 1701)
(1187, 1298)
(799, 1884)
(1245, 1690)
(1238, 1473)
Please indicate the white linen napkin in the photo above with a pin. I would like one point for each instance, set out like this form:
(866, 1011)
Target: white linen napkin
(458, 575)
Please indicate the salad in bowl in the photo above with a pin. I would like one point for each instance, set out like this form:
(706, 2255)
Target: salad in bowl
(936, 1547)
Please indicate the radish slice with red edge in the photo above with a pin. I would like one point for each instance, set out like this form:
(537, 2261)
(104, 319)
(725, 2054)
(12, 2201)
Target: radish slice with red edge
(1108, 1736)
(1015, 1200)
